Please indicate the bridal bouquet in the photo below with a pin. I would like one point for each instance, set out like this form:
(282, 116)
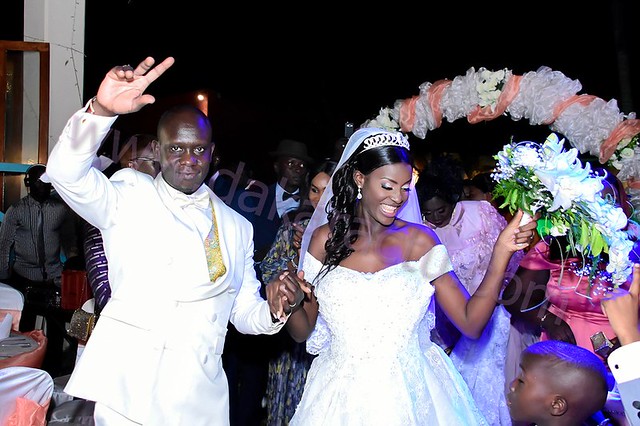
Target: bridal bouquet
(548, 180)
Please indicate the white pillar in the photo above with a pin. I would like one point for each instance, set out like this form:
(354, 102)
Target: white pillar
(61, 24)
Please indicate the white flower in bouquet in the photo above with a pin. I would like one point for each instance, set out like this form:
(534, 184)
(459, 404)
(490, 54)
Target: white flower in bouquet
(619, 265)
(613, 218)
(558, 229)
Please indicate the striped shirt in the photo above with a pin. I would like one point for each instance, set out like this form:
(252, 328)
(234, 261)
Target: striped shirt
(97, 266)
(19, 239)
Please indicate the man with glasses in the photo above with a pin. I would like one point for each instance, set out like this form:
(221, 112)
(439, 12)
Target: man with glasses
(245, 357)
(137, 153)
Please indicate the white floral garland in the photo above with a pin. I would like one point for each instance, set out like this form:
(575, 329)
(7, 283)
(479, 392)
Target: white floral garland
(546, 97)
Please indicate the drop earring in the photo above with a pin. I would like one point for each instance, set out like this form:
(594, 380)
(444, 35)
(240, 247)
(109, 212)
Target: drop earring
(359, 195)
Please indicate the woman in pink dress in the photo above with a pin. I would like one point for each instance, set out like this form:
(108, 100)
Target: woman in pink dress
(568, 296)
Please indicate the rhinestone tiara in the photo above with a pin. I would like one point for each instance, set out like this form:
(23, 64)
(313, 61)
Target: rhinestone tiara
(385, 139)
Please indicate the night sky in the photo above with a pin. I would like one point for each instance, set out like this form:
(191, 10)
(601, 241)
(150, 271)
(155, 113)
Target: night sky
(302, 72)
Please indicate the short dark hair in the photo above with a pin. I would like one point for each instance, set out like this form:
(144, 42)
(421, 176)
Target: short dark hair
(484, 182)
(565, 358)
(169, 116)
(442, 178)
(33, 173)
(327, 166)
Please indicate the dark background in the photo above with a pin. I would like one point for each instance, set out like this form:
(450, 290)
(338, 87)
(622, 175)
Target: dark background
(302, 71)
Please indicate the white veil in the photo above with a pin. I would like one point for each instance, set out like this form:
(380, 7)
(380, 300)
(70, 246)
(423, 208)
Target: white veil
(410, 212)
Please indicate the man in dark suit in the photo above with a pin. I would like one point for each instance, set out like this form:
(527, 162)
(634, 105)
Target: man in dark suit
(245, 357)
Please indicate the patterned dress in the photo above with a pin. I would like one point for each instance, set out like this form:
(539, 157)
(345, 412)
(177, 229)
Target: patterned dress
(288, 369)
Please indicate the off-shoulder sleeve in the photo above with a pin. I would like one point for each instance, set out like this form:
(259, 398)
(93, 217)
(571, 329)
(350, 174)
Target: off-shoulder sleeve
(311, 267)
(435, 263)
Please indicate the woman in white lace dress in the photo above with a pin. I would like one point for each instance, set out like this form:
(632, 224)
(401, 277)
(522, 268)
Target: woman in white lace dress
(375, 270)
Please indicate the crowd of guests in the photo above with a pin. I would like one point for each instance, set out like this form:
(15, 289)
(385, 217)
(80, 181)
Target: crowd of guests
(342, 291)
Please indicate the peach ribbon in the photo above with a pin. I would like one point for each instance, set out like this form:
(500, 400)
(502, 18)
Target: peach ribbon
(632, 183)
(508, 94)
(408, 113)
(624, 129)
(580, 99)
(435, 93)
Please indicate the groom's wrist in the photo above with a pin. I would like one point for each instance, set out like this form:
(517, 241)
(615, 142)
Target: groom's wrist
(96, 108)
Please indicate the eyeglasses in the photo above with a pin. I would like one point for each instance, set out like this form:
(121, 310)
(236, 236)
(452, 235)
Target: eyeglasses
(295, 163)
(142, 159)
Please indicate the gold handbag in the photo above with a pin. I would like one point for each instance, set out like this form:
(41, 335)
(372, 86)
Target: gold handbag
(81, 325)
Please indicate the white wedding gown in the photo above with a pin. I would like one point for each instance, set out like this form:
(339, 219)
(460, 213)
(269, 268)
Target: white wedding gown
(376, 364)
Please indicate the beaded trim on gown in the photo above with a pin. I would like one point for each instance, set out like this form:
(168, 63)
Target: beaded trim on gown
(376, 364)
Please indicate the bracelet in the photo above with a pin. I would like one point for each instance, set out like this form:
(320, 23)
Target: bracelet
(90, 108)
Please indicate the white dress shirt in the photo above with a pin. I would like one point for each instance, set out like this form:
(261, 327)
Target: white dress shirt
(287, 205)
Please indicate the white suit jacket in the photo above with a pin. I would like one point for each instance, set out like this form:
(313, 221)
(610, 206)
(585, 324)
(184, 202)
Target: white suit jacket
(154, 355)
(623, 363)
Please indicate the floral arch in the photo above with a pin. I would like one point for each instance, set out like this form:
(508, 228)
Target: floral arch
(544, 97)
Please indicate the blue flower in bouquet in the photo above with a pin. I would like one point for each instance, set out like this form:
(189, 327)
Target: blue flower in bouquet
(548, 180)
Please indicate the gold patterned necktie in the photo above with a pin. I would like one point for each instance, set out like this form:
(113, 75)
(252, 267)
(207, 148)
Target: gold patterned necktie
(213, 251)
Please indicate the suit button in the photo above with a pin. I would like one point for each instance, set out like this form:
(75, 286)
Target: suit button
(214, 317)
(232, 290)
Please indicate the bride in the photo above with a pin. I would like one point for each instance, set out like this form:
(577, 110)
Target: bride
(364, 297)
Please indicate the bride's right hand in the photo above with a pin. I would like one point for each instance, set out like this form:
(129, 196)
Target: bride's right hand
(516, 236)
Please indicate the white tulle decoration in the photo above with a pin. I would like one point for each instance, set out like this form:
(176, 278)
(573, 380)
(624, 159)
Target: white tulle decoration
(544, 97)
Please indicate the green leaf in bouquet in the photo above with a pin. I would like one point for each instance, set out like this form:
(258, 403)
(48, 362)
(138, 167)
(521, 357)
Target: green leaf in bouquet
(515, 197)
(524, 203)
(584, 234)
(597, 242)
(544, 226)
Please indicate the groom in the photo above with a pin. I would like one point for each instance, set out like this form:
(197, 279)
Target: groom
(180, 265)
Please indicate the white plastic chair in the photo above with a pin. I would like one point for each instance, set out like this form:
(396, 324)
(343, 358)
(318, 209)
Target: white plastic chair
(11, 302)
(25, 392)
(25, 395)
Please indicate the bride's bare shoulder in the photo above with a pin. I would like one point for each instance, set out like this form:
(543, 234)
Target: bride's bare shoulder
(421, 239)
(318, 239)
